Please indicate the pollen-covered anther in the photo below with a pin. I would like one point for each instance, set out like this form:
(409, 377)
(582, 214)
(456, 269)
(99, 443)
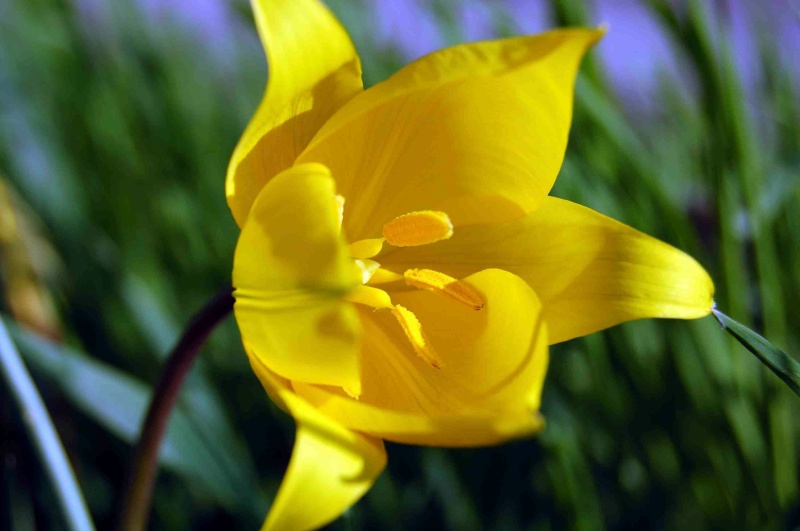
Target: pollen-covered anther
(446, 285)
(419, 340)
(418, 228)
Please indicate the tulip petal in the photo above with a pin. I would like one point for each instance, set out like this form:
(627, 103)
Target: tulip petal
(290, 272)
(331, 467)
(313, 70)
(490, 383)
(590, 271)
(477, 131)
(463, 430)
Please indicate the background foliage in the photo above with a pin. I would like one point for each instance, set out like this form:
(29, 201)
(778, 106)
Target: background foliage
(116, 123)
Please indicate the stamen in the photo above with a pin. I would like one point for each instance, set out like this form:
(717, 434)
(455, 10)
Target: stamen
(422, 345)
(440, 283)
(418, 228)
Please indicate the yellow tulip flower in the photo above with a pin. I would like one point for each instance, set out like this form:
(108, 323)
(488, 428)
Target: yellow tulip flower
(401, 269)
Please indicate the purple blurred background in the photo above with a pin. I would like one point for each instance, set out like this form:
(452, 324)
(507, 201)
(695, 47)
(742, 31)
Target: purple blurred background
(636, 54)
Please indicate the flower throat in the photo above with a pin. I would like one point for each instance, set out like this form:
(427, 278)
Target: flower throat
(409, 230)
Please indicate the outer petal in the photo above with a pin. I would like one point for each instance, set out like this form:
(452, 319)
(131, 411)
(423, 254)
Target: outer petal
(290, 271)
(590, 271)
(478, 131)
(488, 388)
(314, 70)
(467, 429)
(331, 466)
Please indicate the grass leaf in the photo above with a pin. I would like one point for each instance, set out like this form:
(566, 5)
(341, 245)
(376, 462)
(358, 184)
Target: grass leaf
(118, 402)
(786, 368)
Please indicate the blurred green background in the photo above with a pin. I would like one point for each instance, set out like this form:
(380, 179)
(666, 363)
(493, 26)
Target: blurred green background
(116, 123)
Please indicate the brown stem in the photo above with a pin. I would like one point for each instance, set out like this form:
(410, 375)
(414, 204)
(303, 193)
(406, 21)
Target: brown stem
(138, 490)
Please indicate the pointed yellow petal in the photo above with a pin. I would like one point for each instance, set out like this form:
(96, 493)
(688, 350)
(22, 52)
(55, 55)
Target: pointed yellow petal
(331, 466)
(313, 70)
(290, 272)
(478, 131)
(488, 389)
(589, 271)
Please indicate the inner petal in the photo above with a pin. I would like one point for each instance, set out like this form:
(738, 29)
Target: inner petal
(487, 120)
(494, 361)
(377, 299)
(290, 270)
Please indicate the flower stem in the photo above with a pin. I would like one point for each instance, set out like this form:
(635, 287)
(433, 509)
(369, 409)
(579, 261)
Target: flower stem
(138, 491)
(44, 436)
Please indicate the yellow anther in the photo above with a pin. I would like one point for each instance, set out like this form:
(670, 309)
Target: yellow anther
(422, 345)
(440, 283)
(418, 228)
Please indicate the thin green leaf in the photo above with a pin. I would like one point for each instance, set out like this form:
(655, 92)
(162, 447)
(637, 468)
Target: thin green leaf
(118, 402)
(44, 436)
(786, 368)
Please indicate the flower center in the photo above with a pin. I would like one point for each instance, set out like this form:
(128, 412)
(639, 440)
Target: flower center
(412, 229)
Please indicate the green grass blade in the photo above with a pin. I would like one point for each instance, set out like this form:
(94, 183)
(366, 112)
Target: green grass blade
(786, 368)
(44, 435)
(118, 401)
